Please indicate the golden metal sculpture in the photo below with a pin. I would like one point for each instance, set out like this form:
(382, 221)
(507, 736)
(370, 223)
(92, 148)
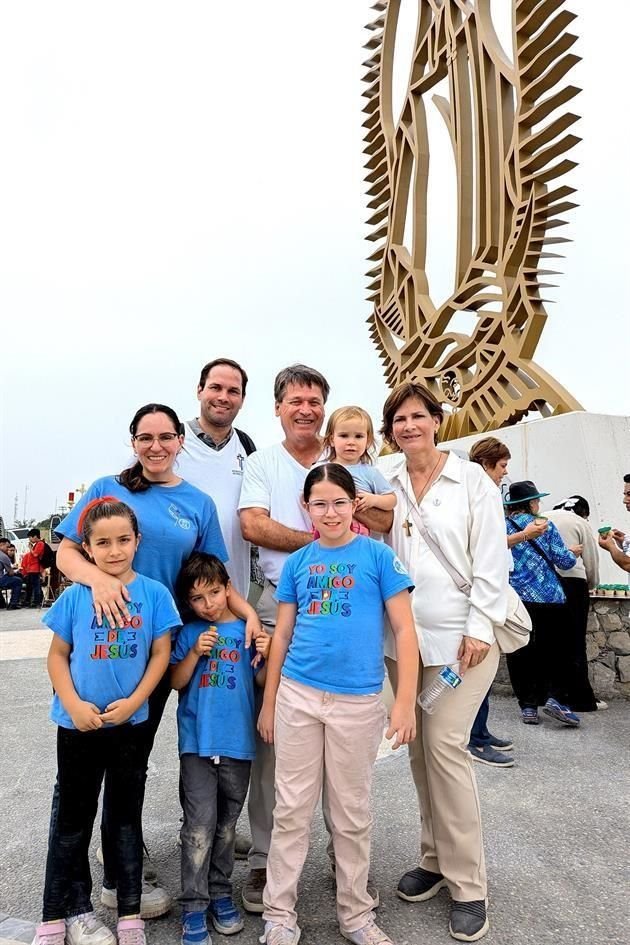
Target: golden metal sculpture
(506, 161)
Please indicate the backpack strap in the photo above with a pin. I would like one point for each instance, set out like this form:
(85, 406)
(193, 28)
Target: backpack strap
(248, 444)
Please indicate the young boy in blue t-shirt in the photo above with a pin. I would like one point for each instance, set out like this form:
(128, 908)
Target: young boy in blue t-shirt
(215, 719)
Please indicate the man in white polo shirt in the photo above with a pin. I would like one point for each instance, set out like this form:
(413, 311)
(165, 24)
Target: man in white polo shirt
(213, 456)
(272, 517)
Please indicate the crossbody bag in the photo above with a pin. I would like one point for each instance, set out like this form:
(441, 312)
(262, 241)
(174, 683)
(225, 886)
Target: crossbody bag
(511, 635)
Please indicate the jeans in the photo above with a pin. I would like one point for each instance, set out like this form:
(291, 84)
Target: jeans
(13, 583)
(479, 734)
(83, 758)
(157, 703)
(33, 589)
(214, 792)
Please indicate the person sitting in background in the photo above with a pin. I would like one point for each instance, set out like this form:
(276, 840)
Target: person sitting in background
(538, 670)
(615, 542)
(10, 580)
(570, 518)
(493, 457)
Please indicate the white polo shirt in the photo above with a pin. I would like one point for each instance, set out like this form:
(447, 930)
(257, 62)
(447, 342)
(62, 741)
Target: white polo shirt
(463, 513)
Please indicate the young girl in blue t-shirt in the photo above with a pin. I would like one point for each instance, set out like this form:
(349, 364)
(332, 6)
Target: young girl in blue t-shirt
(322, 705)
(102, 677)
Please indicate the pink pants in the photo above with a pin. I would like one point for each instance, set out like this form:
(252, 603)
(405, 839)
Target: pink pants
(332, 738)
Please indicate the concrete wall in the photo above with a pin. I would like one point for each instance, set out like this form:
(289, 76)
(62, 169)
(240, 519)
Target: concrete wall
(580, 453)
(607, 650)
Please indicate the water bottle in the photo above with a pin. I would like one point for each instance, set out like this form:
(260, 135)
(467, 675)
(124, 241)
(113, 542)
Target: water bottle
(448, 678)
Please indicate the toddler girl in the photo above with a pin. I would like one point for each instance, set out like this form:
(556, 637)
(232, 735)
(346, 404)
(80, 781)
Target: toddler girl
(349, 441)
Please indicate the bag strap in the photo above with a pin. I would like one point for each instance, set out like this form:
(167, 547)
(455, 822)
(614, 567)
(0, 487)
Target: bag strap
(248, 444)
(433, 546)
(532, 544)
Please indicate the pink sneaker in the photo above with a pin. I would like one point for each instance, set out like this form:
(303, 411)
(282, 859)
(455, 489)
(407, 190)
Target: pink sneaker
(131, 931)
(50, 933)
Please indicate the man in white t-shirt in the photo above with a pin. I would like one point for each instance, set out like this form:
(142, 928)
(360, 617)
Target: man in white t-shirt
(272, 517)
(616, 542)
(213, 456)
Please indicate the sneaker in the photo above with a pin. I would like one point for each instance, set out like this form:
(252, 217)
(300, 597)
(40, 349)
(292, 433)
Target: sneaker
(468, 921)
(529, 715)
(242, 846)
(419, 885)
(369, 934)
(489, 756)
(130, 931)
(195, 929)
(86, 929)
(372, 888)
(149, 872)
(155, 901)
(253, 890)
(276, 934)
(601, 705)
(562, 713)
(50, 933)
(226, 918)
(501, 744)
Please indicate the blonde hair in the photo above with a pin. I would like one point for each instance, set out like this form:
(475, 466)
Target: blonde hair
(340, 416)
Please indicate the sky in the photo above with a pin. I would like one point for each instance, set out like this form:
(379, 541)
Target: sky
(184, 181)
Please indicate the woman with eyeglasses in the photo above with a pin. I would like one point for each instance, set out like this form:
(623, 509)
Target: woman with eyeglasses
(175, 519)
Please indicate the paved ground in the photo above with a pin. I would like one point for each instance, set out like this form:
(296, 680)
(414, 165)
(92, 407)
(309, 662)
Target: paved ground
(556, 825)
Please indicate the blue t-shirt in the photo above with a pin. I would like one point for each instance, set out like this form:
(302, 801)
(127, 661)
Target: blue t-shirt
(368, 479)
(105, 663)
(340, 593)
(174, 521)
(215, 715)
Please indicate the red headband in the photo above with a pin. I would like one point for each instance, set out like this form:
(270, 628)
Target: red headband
(92, 505)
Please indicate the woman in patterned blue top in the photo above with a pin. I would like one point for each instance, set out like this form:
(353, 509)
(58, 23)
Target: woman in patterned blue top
(537, 670)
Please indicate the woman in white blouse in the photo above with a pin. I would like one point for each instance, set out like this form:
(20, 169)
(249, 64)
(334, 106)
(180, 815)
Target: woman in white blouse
(461, 509)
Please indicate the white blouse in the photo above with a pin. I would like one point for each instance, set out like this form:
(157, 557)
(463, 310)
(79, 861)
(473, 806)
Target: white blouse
(463, 513)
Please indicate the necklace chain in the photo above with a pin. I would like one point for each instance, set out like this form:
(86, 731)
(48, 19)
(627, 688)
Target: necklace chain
(415, 501)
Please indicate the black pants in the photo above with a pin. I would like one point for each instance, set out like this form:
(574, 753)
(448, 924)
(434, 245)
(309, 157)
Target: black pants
(83, 760)
(580, 695)
(33, 590)
(538, 671)
(80, 899)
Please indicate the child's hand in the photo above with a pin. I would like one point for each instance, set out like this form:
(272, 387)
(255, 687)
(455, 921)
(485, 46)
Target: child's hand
(253, 627)
(206, 641)
(117, 712)
(402, 724)
(365, 500)
(86, 717)
(263, 645)
(265, 724)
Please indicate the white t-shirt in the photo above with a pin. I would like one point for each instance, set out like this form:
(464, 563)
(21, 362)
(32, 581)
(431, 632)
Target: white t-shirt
(274, 481)
(219, 473)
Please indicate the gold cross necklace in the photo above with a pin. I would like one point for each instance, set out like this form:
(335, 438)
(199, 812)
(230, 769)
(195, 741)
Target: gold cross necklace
(407, 524)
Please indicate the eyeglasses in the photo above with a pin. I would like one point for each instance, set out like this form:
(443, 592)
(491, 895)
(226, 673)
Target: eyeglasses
(146, 439)
(319, 507)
